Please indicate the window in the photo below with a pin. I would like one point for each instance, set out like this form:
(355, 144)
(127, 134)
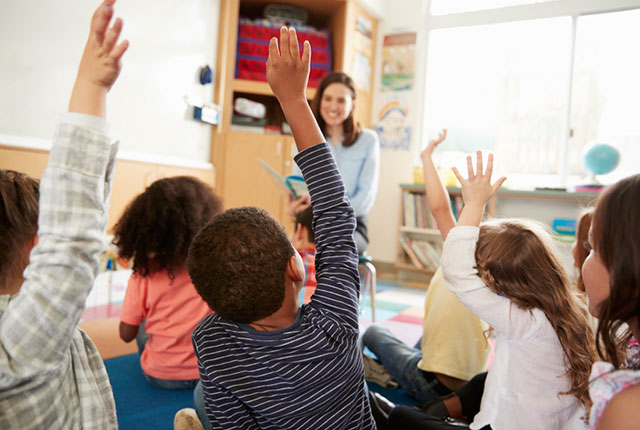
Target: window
(534, 92)
(443, 7)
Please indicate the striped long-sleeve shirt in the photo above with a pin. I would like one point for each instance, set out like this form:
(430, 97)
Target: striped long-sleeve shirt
(308, 375)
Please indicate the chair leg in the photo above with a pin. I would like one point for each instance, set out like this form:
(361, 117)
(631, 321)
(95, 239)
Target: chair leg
(370, 281)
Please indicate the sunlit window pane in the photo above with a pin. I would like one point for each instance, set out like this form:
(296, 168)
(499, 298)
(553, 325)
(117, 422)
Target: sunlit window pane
(445, 7)
(605, 104)
(502, 87)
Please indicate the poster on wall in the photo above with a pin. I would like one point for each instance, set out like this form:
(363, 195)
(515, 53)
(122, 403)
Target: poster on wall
(361, 72)
(398, 59)
(393, 126)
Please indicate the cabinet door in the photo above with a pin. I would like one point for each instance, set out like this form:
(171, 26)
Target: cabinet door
(246, 183)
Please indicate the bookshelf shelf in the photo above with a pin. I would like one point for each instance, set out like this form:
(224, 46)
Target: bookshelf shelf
(423, 231)
(261, 88)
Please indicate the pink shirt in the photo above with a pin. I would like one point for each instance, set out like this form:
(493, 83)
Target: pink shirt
(172, 310)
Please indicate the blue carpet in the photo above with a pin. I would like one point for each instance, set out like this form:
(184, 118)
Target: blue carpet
(140, 405)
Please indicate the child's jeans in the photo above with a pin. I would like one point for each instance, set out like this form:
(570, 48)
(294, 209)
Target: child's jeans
(169, 384)
(198, 400)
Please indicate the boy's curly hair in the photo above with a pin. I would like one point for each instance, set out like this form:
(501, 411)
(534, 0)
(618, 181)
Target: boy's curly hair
(157, 227)
(238, 262)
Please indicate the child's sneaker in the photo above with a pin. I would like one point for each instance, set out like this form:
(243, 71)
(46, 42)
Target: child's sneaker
(375, 372)
(187, 419)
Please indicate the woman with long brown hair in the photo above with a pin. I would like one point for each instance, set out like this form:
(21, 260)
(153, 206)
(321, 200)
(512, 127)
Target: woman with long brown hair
(356, 149)
(507, 272)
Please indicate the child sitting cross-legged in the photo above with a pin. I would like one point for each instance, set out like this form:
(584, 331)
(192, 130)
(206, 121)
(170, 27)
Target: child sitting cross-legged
(506, 271)
(265, 362)
(161, 306)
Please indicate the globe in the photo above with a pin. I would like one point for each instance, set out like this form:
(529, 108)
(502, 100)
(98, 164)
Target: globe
(599, 158)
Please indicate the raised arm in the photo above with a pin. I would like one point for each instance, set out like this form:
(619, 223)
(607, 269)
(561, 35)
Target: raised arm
(437, 195)
(288, 75)
(38, 324)
(333, 220)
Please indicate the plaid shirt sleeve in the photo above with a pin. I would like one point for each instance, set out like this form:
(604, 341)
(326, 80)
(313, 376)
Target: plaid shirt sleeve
(38, 334)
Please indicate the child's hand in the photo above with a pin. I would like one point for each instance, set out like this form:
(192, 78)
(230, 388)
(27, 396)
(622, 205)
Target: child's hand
(287, 74)
(100, 64)
(298, 205)
(427, 152)
(477, 188)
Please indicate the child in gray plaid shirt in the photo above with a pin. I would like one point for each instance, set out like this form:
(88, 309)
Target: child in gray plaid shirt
(51, 375)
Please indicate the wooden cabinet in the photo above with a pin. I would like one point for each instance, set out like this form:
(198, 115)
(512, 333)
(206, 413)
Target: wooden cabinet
(240, 178)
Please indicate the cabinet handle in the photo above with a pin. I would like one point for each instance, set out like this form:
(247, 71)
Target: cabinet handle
(278, 148)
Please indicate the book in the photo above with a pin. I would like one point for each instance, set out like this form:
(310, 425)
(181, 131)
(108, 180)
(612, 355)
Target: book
(291, 185)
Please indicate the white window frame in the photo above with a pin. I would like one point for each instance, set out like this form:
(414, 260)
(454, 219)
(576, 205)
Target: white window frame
(551, 9)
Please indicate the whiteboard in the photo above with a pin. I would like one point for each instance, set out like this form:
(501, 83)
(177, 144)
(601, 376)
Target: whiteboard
(42, 42)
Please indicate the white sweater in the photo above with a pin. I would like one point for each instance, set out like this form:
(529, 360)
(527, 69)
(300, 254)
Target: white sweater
(528, 371)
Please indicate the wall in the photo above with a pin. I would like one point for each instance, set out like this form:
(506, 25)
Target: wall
(42, 44)
(396, 166)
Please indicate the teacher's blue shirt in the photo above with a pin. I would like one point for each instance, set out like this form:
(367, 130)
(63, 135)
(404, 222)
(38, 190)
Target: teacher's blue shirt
(359, 165)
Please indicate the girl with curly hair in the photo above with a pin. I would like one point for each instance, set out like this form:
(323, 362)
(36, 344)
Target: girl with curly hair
(161, 306)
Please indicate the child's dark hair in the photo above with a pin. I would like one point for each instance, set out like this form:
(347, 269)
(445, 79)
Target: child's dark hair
(158, 226)
(615, 231)
(238, 262)
(19, 208)
(305, 219)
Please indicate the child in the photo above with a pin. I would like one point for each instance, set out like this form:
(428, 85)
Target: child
(303, 242)
(51, 375)
(155, 231)
(611, 275)
(581, 247)
(507, 273)
(453, 349)
(264, 361)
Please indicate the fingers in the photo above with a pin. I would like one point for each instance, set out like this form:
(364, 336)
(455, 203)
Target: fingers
(489, 171)
(112, 35)
(285, 53)
(470, 168)
(294, 50)
(498, 184)
(101, 18)
(306, 54)
(479, 170)
(119, 50)
(458, 175)
(273, 48)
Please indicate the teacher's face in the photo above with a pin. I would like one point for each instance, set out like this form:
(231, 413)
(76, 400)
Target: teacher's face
(336, 104)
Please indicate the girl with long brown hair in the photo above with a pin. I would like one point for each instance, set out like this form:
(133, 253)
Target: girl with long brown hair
(611, 275)
(508, 273)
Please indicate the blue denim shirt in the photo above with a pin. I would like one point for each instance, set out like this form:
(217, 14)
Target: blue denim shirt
(359, 165)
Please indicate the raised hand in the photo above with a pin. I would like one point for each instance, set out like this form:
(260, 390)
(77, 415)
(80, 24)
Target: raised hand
(287, 73)
(476, 189)
(433, 144)
(100, 64)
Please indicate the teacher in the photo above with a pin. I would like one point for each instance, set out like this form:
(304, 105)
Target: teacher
(356, 149)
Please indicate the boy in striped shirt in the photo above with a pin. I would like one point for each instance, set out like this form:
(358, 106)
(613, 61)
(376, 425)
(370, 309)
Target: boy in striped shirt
(265, 362)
